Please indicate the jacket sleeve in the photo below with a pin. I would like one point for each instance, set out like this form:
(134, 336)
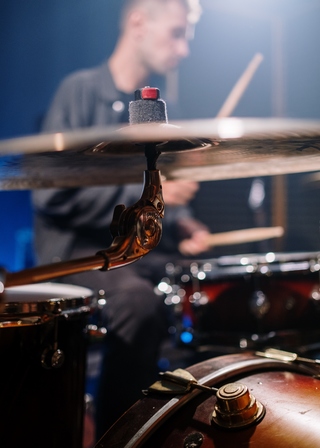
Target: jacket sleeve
(72, 108)
(72, 105)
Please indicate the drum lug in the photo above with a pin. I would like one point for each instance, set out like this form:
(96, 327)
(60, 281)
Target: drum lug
(52, 358)
(193, 440)
(259, 304)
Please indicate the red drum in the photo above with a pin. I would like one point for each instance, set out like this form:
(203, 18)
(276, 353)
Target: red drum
(246, 301)
(43, 356)
(287, 394)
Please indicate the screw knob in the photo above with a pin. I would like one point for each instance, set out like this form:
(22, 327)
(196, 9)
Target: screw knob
(236, 407)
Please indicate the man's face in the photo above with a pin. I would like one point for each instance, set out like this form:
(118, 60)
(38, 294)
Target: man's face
(164, 42)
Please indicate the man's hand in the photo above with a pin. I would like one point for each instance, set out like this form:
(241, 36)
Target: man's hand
(179, 192)
(196, 244)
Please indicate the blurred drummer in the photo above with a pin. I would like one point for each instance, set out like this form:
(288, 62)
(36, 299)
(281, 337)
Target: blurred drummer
(75, 223)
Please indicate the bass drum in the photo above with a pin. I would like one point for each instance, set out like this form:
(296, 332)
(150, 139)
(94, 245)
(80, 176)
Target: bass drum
(246, 301)
(43, 360)
(288, 396)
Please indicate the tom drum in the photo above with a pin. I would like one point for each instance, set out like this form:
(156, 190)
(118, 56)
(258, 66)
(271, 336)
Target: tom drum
(246, 301)
(42, 374)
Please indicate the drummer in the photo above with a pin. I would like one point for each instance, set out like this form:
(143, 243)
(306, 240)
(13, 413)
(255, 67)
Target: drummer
(74, 223)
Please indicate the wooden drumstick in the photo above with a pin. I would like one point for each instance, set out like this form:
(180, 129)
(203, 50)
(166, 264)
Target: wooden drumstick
(244, 236)
(239, 88)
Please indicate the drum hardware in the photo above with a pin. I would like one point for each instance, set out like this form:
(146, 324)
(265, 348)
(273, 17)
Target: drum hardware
(235, 406)
(193, 440)
(52, 356)
(285, 356)
(182, 378)
(95, 333)
(164, 421)
(136, 230)
(259, 304)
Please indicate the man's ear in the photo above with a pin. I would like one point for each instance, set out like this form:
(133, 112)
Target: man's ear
(136, 22)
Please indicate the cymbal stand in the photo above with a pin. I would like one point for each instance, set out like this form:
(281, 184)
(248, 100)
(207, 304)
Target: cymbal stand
(136, 230)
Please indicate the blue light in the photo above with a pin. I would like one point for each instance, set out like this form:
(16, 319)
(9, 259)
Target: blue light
(186, 321)
(186, 337)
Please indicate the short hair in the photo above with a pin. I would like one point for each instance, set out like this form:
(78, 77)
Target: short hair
(193, 8)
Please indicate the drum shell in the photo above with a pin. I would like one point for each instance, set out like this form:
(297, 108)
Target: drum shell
(291, 399)
(43, 406)
(231, 304)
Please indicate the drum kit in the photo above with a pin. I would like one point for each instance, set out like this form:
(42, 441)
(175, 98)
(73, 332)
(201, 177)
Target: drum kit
(242, 303)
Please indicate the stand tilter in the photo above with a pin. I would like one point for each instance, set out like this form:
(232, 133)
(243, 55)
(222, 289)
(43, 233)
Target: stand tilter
(136, 230)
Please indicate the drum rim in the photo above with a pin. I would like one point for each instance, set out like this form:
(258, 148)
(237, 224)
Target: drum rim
(229, 266)
(228, 260)
(55, 301)
(244, 363)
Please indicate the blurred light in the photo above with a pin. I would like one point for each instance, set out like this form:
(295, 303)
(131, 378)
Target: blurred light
(243, 343)
(163, 364)
(230, 128)
(270, 257)
(257, 194)
(186, 337)
(164, 287)
(175, 300)
(118, 106)
(172, 330)
(186, 321)
(185, 278)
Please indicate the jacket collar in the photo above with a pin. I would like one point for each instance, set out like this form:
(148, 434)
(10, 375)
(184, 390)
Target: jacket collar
(108, 89)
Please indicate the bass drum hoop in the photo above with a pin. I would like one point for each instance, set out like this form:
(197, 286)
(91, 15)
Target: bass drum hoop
(137, 426)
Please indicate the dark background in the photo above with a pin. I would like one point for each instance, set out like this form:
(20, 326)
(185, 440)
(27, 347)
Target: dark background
(41, 42)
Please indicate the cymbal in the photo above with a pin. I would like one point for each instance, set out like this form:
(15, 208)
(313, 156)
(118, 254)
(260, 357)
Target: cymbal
(210, 149)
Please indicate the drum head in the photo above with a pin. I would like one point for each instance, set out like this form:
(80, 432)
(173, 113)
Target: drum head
(44, 298)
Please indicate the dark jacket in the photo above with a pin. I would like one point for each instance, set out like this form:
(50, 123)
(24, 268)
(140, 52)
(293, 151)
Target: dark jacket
(69, 222)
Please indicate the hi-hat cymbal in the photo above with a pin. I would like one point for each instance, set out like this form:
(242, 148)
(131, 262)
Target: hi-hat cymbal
(202, 150)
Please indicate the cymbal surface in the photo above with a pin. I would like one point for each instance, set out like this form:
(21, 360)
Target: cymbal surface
(211, 149)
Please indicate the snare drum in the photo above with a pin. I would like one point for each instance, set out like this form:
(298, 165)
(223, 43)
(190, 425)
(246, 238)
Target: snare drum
(246, 301)
(283, 409)
(42, 374)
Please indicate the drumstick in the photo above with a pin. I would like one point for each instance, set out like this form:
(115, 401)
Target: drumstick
(234, 96)
(244, 236)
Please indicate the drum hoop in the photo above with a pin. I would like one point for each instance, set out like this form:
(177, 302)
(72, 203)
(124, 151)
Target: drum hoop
(242, 264)
(79, 301)
(225, 373)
